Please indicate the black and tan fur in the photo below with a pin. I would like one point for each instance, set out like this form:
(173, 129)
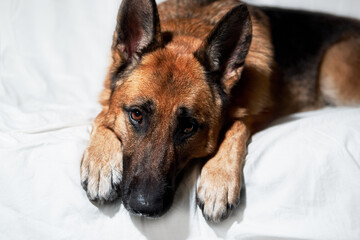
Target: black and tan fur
(194, 80)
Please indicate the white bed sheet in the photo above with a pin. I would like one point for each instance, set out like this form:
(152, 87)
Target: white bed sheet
(302, 175)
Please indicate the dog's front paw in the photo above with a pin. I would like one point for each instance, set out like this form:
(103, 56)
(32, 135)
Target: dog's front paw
(218, 192)
(101, 167)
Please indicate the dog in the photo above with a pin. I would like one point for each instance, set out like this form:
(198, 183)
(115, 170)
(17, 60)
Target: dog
(193, 80)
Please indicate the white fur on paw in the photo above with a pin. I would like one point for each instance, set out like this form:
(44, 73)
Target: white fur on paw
(217, 197)
(101, 178)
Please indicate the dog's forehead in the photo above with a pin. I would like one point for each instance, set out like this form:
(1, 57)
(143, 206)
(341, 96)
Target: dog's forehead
(169, 79)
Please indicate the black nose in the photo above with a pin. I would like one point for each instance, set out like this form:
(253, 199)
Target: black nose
(146, 205)
(150, 201)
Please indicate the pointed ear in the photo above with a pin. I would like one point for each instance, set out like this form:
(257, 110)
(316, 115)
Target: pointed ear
(224, 51)
(137, 30)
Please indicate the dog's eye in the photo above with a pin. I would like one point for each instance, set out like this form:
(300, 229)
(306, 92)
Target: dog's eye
(188, 128)
(136, 115)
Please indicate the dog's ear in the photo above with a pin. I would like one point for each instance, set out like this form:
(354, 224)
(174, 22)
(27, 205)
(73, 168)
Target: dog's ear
(224, 50)
(137, 30)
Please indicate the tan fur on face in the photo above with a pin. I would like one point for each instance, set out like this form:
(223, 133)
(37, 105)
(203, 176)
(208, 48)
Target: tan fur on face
(171, 80)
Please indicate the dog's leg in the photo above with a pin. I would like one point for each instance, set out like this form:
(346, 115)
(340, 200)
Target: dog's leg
(339, 74)
(220, 181)
(101, 166)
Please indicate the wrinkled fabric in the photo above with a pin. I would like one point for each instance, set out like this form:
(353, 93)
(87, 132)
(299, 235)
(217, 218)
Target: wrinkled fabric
(302, 174)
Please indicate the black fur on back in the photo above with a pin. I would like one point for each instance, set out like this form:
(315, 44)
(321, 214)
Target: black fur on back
(300, 37)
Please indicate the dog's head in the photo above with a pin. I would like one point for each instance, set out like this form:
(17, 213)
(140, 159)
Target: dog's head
(169, 92)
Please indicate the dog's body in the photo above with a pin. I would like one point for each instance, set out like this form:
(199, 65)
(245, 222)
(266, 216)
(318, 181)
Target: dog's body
(194, 79)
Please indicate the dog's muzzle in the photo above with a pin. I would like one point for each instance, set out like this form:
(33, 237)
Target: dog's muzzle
(148, 198)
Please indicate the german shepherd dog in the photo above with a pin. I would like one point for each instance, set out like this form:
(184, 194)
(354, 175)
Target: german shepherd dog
(194, 80)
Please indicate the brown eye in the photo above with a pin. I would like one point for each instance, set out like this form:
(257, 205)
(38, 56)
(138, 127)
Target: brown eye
(188, 128)
(136, 115)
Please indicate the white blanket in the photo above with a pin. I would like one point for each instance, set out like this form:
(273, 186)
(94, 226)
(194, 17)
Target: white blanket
(302, 175)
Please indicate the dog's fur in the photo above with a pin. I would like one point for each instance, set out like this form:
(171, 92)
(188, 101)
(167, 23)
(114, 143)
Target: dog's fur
(195, 79)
